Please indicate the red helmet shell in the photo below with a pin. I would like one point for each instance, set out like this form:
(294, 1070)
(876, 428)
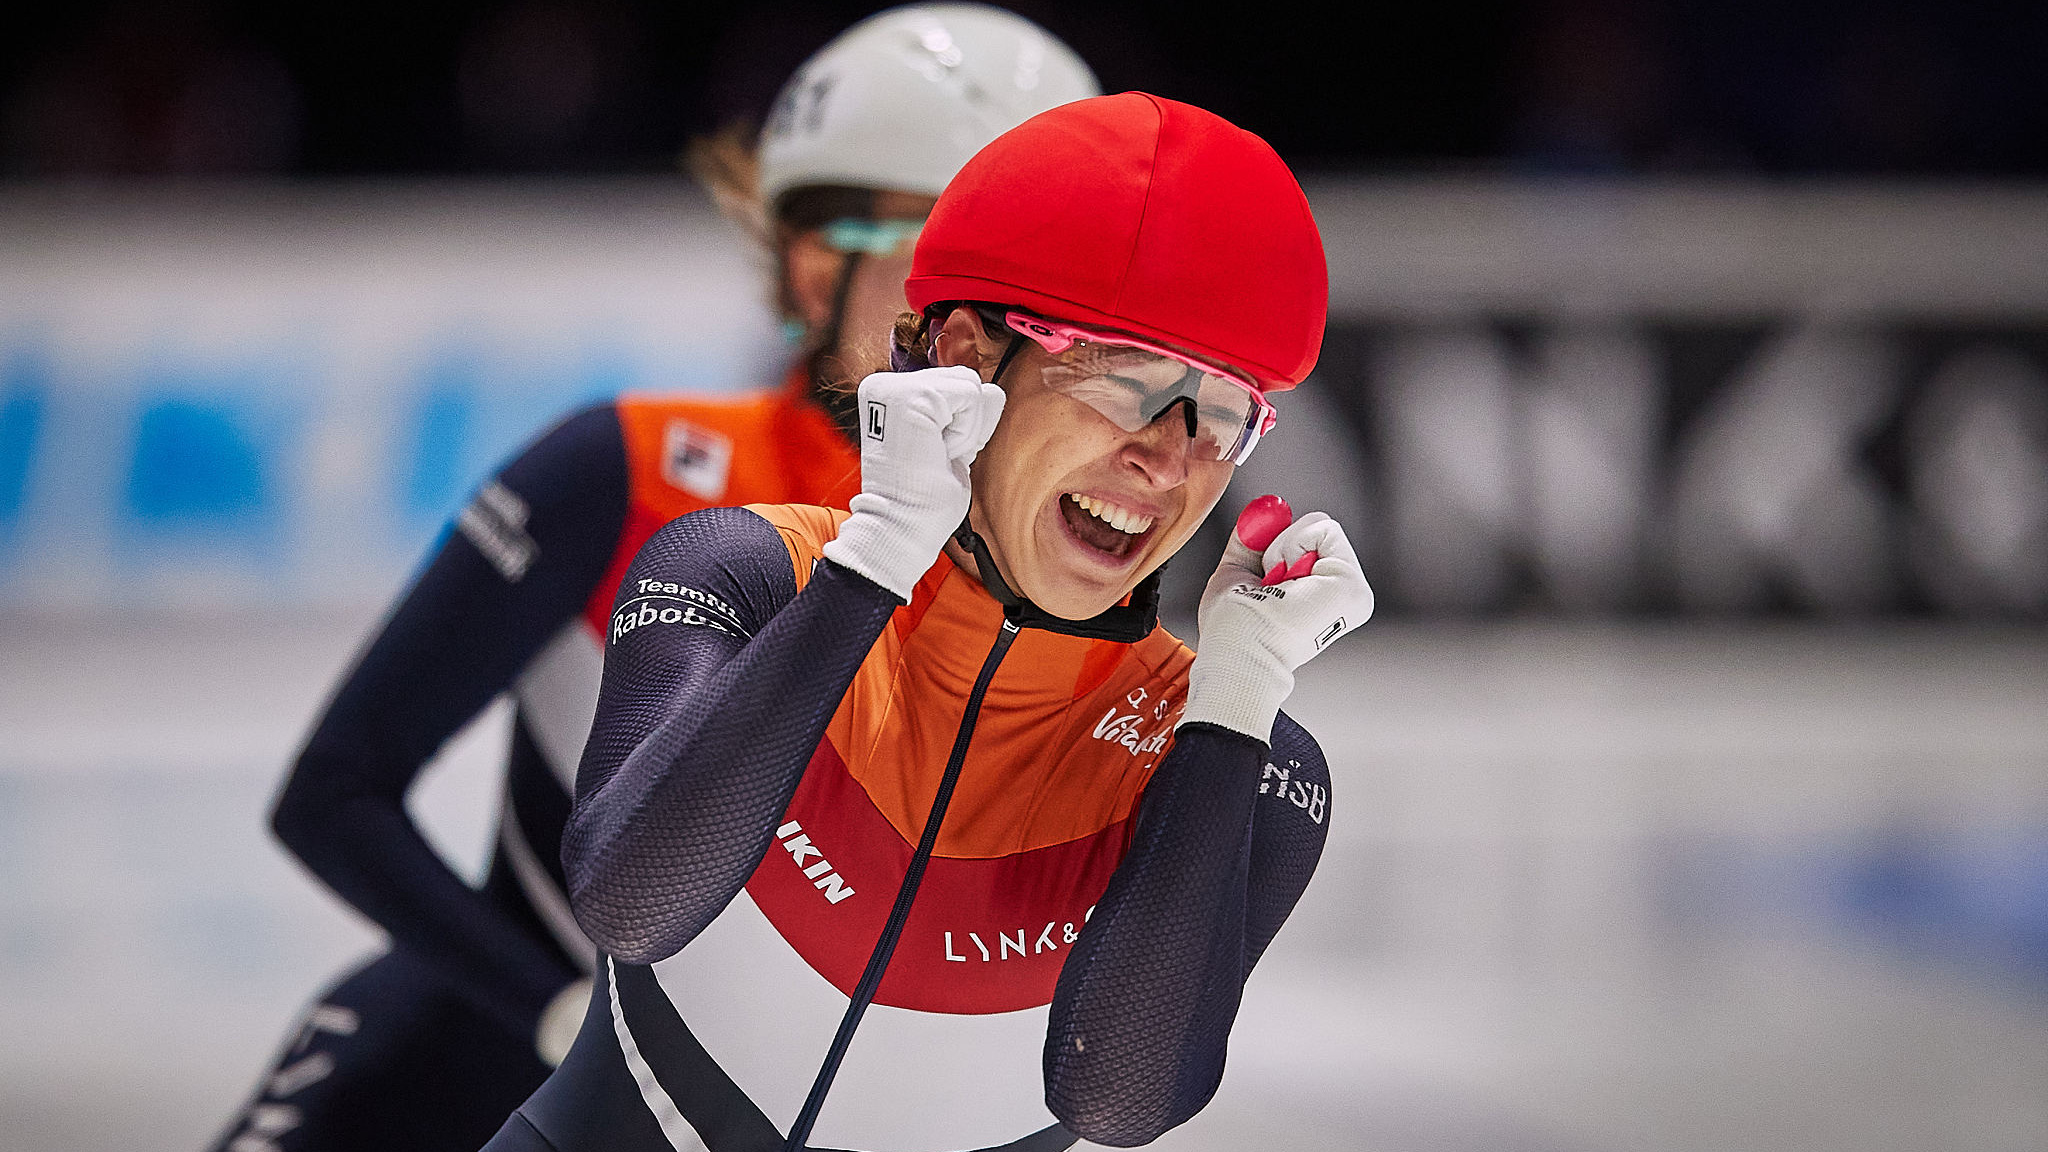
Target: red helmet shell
(1144, 215)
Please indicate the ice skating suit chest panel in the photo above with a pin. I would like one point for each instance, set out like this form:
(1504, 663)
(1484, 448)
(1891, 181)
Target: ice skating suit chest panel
(1068, 734)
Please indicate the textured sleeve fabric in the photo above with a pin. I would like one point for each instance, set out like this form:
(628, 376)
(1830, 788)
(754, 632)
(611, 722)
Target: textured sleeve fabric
(522, 560)
(719, 681)
(1226, 839)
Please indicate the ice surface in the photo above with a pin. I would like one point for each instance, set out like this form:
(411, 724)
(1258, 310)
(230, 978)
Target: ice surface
(1589, 887)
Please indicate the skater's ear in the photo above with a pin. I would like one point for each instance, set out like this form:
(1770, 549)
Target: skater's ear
(963, 338)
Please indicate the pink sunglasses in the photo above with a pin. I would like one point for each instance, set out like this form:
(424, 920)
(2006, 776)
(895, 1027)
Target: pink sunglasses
(1133, 381)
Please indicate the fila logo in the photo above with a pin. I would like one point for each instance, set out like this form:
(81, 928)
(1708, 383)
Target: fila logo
(877, 414)
(820, 874)
(696, 460)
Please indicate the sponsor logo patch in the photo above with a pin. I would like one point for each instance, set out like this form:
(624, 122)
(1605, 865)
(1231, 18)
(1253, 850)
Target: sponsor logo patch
(1324, 637)
(1121, 728)
(1127, 729)
(1279, 782)
(1022, 944)
(665, 602)
(496, 523)
(696, 460)
(820, 872)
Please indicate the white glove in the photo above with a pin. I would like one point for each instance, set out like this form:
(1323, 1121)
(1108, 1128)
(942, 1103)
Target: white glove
(1253, 637)
(560, 1021)
(918, 433)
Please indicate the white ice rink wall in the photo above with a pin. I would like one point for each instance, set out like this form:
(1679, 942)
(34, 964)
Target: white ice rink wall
(1580, 396)
(279, 396)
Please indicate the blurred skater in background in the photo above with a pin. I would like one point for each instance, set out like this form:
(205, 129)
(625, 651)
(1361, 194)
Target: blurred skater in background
(431, 1044)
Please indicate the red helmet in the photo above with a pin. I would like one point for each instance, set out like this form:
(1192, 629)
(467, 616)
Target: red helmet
(1140, 214)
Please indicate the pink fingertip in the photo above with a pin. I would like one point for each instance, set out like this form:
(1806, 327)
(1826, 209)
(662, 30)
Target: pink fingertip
(1262, 520)
(1279, 573)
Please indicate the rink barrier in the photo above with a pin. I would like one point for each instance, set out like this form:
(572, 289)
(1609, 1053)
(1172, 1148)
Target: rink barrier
(1564, 396)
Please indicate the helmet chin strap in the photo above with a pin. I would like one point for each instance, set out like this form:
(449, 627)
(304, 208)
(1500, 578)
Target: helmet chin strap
(1124, 623)
(839, 403)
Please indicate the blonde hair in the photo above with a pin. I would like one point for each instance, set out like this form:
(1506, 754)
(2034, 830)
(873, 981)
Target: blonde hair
(728, 166)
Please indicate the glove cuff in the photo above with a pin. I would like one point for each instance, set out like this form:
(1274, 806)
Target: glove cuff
(883, 544)
(1237, 692)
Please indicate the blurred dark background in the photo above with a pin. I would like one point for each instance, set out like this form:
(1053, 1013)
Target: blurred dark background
(379, 87)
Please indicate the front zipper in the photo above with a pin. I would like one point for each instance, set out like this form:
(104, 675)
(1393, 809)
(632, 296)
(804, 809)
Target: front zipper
(892, 930)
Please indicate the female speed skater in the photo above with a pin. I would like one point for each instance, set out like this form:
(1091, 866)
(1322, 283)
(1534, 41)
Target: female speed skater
(431, 1044)
(907, 828)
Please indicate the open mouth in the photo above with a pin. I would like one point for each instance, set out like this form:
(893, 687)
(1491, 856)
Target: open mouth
(1105, 527)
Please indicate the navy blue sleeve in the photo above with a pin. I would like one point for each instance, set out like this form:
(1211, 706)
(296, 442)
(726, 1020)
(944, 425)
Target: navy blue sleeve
(719, 680)
(1226, 840)
(523, 560)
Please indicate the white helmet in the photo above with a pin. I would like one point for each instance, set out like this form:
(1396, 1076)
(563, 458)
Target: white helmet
(902, 99)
